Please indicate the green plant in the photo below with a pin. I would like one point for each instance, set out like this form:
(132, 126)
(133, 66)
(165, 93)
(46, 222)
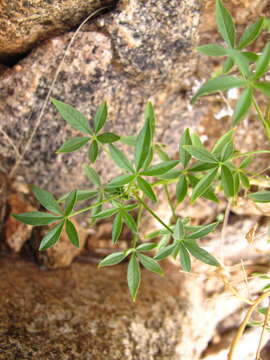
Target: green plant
(195, 172)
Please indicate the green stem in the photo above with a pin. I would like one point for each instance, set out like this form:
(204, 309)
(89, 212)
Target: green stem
(174, 216)
(93, 206)
(266, 125)
(152, 213)
(138, 220)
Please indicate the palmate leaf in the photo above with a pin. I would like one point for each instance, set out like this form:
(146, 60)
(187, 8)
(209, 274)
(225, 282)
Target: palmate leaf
(133, 276)
(52, 237)
(200, 253)
(72, 116)
(243, 104)
(150, 264)
(220, 83)
(250, 34)
(225, 24)
(37, 218)
(100, 117)
(73, 144)
(72, 233)
(46, 199)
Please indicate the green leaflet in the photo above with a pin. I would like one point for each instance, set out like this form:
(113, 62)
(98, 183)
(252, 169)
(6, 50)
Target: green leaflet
(73, 144)
(72, 233)
(204, 184)
(100, 117)
(184, 258)
(225, 24)
(52, 237)
(243, 104)
(133, 276)
(46, 199)
(250, 34)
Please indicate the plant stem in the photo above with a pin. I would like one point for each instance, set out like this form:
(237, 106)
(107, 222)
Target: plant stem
(152, 213)
(174, 216)
(262, 118)
(93, 206)
(244, 324)
(258, 357)
(138, 220)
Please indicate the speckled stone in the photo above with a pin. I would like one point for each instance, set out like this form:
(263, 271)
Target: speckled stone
(86, 314)
(141, 51)
(26, 22)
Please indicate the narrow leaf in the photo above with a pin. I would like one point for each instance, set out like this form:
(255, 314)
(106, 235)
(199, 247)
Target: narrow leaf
(262, 64)
(181, 188)
(72, 233)
(204, 184)
(73, 144)
(112, 259)
(121, 180)
(146, 246)
(146, 188)
(165, 252)
(143, 145)
(203, 231)
(52, 237)
(227, 151)
(208, 194)
(179, 231)
(106, 138)
(200, 253)
(221, 83)
(93, 151)
(228, 65)
(212, 50)
(120, 159)
(183, 154)
(92, 175)
(72, 116)
(46, 199)
(130, 222)
(105, 214)
(227, 181)
(219, 145)
(129, 140)
(260, 196)
(184, 258)
(100, 117)
(242, 106)
(117, 228)
(201, 154)
(36, 218)
(250, 34)
(244, 180)
(133, 276)
(150, 264)
(263, 86)
(225, 24)
(160, 169)
(70, 202)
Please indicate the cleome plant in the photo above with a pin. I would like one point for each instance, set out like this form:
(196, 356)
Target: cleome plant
(194, 172)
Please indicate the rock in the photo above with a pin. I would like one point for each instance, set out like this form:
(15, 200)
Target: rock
(85, 313)
(63, 252)
(15, 232)
(141, 50)
(24, 23)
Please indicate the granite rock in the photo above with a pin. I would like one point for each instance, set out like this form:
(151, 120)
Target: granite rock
(140, 51)
(24, 23)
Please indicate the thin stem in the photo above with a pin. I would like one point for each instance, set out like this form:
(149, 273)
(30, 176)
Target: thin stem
(152, 213)
(244, 324)
(174, 216)
(93, 206)
(138, 220)
(262, 118)
(223, 231)
(265, 323)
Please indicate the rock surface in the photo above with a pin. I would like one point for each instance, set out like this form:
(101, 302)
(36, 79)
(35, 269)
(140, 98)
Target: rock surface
(24, 23)
(84, 313)
(141, 50)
